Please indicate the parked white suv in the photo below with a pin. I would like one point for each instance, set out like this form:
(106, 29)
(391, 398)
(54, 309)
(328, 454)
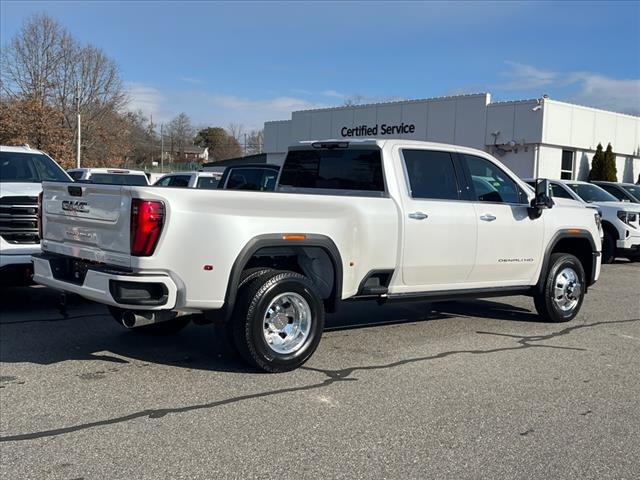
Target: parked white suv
(109, 176)
(384, 219)
(620, 220)
(22, 171)
(206, 180)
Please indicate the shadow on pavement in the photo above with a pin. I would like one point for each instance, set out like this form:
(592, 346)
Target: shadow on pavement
(33, 329)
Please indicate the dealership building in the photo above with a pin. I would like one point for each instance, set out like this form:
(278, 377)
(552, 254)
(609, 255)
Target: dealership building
(535, 138)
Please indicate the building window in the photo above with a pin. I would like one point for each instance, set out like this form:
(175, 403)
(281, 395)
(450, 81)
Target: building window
(566, 169)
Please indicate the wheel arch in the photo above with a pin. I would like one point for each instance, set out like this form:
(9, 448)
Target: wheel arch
(577, 242)
(305, 243)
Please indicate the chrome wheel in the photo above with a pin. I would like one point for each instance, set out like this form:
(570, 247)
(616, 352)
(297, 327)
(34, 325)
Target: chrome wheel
(287, 323)
(567, 289)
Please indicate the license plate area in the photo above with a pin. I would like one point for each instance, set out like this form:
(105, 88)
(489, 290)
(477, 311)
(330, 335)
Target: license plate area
(70, 270)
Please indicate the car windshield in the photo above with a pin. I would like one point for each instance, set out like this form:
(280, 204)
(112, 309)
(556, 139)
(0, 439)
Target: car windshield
(118, 179)
(591, 193)
(634, 190)
(29, 168)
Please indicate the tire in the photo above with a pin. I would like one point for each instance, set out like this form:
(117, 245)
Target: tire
(223, 328)
(296, 311)
(169, 327)
(563, 290)
(608, 248)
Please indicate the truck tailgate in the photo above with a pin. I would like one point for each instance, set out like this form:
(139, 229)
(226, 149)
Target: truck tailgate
(87, 221)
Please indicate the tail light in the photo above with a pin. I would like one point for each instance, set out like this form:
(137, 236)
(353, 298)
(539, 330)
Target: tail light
(147, 219)
(39, 215)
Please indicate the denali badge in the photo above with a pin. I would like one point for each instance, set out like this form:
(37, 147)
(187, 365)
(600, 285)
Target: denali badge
(74, 206)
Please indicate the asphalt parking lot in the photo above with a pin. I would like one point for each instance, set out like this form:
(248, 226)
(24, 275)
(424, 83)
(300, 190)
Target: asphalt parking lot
(463, 390)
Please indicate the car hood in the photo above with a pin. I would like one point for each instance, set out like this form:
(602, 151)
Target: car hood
(18, 189)
(626, 206)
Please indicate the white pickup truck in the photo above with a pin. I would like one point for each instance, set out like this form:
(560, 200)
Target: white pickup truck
(385, 219)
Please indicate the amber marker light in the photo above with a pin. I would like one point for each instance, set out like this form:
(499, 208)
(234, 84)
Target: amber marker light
(291, 236)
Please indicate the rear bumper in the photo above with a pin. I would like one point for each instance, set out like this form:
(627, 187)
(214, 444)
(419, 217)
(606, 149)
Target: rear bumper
(101, 285)
(13, 259)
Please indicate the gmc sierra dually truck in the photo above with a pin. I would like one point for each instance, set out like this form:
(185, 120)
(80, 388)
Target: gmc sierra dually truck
(369, 219)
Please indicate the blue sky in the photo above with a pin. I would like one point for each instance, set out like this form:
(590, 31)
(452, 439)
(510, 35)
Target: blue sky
(247, 62)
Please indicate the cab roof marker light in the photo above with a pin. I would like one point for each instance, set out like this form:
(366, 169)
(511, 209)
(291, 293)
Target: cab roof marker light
(330, 145)
(294, 236)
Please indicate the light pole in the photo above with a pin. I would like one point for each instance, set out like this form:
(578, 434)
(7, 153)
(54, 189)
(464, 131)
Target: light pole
(161, 148)
(79, 124)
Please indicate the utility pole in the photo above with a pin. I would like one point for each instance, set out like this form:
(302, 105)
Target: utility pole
(162, 147)
(245, 144)
(79, 124)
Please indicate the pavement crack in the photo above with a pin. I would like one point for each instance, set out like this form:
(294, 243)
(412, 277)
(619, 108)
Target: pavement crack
(333, 376)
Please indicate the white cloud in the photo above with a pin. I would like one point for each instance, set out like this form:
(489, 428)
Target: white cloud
(526, 77)
(192, 80)
(282, 105)
(608, 93)
(147, 99)
(587, 88)
(333, 93)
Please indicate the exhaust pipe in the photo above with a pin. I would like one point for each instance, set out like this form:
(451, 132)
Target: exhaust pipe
(134, 319)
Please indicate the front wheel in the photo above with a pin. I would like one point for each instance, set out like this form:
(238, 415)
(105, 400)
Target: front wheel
(278, 321)
(563, 290)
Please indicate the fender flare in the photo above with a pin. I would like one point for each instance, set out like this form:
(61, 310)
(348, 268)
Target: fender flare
(277, 240)
(571, 233)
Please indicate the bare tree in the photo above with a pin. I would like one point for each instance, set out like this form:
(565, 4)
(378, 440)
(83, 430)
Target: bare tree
(44, 63)
(181, 133)
(255, 142)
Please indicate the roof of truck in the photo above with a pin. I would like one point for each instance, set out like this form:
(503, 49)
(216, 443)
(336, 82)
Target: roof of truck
(107, 170)
(381, 142)
(19, 149)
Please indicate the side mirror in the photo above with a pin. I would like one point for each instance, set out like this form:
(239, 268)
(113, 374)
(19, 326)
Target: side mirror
(543, 198)
(543, 194)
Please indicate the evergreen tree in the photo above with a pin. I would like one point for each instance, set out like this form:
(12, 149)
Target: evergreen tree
(597, 165)
(610, 171)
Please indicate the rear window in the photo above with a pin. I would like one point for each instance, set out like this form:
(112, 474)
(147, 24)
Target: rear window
(75, 175)
(256, 179)
(29, 168)
(119, 179)
(348, 170)
(208, 183)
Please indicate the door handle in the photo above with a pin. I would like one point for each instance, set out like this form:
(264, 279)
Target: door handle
(487, 217)
(418, 215)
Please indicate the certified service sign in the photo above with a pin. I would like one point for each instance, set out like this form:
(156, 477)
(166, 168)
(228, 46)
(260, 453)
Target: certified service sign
(384, 129)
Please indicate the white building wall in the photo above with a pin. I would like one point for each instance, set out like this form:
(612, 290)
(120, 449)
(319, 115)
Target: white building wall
(521, 128)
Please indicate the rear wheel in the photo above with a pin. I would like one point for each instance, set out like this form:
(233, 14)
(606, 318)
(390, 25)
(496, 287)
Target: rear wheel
(168, 327)
(278, 321)
(563, 290)
(608, 248)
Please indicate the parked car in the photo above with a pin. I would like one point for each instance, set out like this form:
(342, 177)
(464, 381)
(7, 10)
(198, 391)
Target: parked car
(390, 220)
(206, 180)
(620, 220)
(257, 177)
(22, 171)
(109, 176)
(625, 192)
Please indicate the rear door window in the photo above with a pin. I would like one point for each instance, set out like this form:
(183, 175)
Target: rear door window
(559, 192)
(431, 174)
(358, 170)
(179, 181)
